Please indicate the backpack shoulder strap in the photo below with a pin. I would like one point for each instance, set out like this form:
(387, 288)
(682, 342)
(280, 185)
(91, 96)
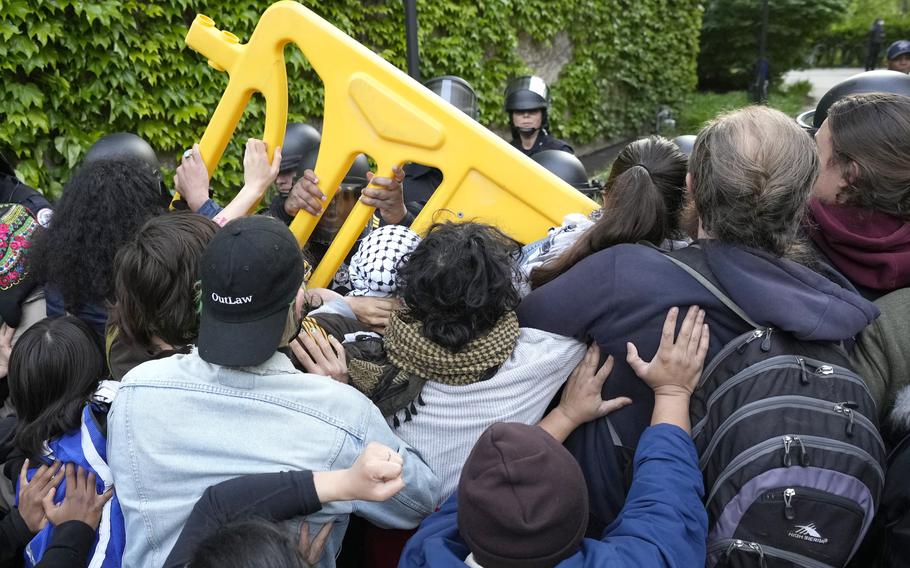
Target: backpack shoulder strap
(707, 283)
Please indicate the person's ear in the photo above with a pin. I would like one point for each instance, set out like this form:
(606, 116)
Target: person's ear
(848, 176)
(852, 173)
(689, 183)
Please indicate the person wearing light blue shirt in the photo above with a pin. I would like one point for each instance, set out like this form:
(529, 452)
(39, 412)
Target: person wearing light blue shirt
(236, 405)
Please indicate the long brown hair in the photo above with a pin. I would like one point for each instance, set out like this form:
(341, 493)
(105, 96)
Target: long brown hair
(873, 132)
(642, 199)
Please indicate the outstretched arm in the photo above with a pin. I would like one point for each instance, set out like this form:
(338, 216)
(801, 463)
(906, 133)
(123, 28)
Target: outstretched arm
(581, 401)
(287, 494)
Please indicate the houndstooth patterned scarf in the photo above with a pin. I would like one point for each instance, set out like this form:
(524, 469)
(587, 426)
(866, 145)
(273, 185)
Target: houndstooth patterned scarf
(394, 377)
(411, 352)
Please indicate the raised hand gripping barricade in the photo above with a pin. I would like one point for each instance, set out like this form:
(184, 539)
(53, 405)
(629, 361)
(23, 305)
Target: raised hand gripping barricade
(374, 108)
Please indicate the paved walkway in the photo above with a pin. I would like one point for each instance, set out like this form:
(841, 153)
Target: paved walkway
(821, 79)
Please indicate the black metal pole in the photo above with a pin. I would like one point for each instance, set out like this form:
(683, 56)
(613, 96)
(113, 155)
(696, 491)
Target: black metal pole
(410, 16)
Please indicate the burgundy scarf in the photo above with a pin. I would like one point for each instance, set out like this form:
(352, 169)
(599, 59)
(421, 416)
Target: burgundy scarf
(870, 248)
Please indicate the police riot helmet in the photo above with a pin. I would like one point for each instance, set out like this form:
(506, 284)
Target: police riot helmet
(301, 142)
(529, 92)
(456, 91)
(357, 175)
(123, 145)
(685, 143)
(128, 146)
(869, 82)
(568, 168)
(355, 178)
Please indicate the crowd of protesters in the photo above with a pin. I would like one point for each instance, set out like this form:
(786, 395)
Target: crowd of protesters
(175, 394)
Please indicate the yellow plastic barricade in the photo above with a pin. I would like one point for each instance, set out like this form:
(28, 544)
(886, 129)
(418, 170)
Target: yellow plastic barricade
(374, 108)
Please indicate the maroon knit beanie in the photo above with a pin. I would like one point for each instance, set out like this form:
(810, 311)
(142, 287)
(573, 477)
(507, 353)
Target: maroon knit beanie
(522, 499)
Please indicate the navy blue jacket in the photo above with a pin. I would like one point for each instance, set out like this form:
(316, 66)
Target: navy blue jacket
(623, 294)
(662, 524)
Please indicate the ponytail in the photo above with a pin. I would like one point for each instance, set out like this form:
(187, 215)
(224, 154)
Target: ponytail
(642, 200)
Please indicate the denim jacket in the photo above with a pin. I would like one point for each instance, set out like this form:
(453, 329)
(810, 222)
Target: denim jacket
(180, 425)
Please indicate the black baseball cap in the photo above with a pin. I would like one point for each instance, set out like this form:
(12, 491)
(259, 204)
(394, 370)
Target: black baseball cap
(250, 272)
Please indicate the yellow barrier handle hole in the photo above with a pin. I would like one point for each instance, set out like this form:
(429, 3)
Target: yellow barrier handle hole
(204, 20)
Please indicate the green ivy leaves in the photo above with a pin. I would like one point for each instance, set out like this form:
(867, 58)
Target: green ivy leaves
(73, 71)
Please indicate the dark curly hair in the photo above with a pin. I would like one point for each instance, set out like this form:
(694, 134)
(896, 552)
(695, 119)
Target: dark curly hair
(458, 282)
(103, 204)
(155, 280)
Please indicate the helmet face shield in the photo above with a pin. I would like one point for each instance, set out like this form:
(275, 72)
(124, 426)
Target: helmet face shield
(341, 205)
(336, 213)
(457, 92)
(356, 178)
(527, 93)
(301, 143)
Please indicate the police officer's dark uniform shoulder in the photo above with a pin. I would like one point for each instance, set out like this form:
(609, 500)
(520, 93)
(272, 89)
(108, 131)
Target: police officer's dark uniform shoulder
(544, 142)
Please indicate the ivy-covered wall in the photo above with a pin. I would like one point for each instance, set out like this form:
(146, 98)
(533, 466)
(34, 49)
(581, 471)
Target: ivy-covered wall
(75, 70)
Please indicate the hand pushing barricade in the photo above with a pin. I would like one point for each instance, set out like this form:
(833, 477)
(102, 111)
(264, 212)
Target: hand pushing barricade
(374, 108)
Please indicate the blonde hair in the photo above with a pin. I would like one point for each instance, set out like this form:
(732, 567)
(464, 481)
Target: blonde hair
(291, 327)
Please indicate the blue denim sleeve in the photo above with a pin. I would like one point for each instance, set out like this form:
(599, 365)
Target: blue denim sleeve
(210, 209)
(421, 488)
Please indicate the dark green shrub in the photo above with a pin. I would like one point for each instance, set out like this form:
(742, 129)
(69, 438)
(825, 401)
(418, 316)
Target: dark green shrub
(847, 44)
(730, 37)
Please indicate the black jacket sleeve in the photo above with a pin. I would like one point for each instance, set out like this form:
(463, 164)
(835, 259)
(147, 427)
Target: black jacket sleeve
(70, 547)
(14, 535)
(14, 191)
(276, 209)
(273, 496)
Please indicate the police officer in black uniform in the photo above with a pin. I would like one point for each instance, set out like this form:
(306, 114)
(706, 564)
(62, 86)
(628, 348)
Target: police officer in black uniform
(301, 141)
(421, 181)
(528, 104)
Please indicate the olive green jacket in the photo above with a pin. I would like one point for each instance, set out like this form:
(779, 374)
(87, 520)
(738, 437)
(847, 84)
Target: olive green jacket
(882, 354)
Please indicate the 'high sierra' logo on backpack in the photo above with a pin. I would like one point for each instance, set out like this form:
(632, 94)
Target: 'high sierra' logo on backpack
(807, 532)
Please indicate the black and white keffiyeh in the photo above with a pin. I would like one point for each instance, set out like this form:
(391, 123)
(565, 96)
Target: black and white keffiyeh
(374, 267)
